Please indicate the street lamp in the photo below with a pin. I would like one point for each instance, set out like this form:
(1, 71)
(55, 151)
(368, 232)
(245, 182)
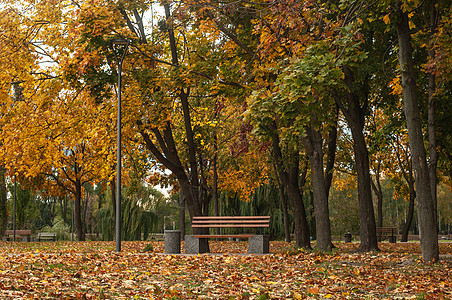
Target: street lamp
(14, 208)
(117, 45)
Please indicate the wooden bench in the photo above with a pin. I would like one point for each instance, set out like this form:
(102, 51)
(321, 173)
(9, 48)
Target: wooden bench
(257, 243)
(46, 236)
(156, 237)
(389, 232)
(21, 234)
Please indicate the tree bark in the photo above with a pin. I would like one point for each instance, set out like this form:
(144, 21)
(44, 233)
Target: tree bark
(354, 114)
(182, 217)
(433, 153)
(282, 198)
(77, 210)
(379, 192)
(409, 219)
(313, 145)
(426, 214)
(216, 210)
(290, 177)
(331, 153)
(3, 209)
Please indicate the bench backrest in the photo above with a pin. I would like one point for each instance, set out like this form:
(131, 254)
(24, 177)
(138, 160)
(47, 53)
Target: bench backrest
(386, 230)
(231, 222)
(19, 232)
(46, 234)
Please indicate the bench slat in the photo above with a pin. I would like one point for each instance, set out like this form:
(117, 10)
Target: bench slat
(231, 217)
(223, 236)
(229, 225)
(230, 221)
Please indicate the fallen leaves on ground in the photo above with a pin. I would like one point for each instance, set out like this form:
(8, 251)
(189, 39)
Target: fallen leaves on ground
(94, 270)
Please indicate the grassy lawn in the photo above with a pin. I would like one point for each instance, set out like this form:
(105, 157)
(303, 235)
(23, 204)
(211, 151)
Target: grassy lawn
(93, 270)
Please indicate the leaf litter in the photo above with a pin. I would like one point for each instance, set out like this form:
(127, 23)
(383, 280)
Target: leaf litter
(94, 270)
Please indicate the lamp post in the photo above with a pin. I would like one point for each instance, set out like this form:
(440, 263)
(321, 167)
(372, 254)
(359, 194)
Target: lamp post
(117, 44)
(14, 208)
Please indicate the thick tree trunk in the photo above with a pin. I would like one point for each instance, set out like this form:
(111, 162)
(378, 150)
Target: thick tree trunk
(290, 178)
(433, 153)
(295, 195)
(182, 217)
(282, 198)
(3, 209)
(426, 213)
(331, 153)
(410, 214)
(77, 209)
(368, 233)
(354, 114)
(216, 210)
(313, 145)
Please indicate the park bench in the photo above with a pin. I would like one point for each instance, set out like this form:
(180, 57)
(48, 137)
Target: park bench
(389, 232)
(156, 237)
(46, 236)
(257, 243)
(24, 234)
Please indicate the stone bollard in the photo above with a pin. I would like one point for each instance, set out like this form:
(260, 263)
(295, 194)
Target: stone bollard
(172, 241)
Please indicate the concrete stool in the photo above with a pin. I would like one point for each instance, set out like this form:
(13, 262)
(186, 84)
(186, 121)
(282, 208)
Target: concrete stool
(259, 244)
(195, 245)
(172, 241)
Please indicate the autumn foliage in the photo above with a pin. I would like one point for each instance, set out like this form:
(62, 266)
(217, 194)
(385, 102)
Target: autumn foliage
(92, 270)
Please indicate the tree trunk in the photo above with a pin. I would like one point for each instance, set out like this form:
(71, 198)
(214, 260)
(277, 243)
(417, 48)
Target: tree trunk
(426, 214)
(331, 153)
(282, 198)
(313, 145)
(3, 207)
(182, 217)
(355, 114)
(368, 233)
(433, 153)
(410, 214)
(216, 210)
(77, 209)
(168, 154)
(290, 178)
(379, 192)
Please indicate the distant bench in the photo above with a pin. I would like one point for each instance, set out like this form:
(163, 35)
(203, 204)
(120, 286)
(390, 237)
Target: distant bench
(46, 236)
(389, 232)
(23, 234)
(257, 243)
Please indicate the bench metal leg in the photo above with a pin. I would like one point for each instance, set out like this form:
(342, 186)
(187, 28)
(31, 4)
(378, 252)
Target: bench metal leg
(196, 245)
(259, 244)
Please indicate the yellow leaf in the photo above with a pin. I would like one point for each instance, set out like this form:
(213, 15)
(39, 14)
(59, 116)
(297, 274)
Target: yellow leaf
(328, 296)
(297, 296)
(386, 19)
